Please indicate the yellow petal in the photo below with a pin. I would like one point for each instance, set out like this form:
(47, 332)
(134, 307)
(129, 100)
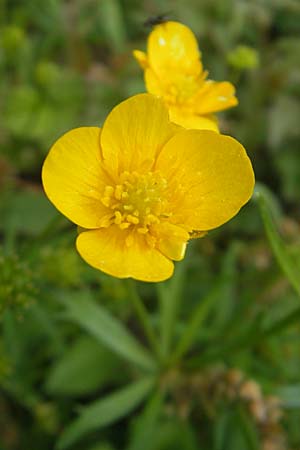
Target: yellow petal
(173, 46)
(179, 115)
(193, 121)
(107, 250)
(210, 177)
(215, 96)
(73, 177)
(154, 85)
(141, 58)
(134, 133)
(171, 240)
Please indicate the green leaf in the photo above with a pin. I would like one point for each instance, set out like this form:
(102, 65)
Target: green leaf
(112, 23)
(102, 446)
(86, 366)
(278, 247)
(286, 321)
(106, 411)
(108, 330)
(176, 434)
(27, 212)
(290, 396)
(197, 318)
(220, 430)
(147, 424)
(235, 430)
(249, 336)
(247, 426)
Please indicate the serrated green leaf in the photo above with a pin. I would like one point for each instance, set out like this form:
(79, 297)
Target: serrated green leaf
(106, 411)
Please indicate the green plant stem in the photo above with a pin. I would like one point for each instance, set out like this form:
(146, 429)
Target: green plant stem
(169, 295)
(142, 315)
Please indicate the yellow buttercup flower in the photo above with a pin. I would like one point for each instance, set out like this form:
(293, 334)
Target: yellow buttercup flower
(141, 186)
(173, 70)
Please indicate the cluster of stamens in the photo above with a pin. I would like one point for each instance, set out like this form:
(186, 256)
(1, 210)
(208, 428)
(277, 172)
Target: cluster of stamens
(137, 201)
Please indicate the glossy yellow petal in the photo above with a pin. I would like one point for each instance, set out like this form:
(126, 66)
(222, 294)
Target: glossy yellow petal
(73, 177)
(141, 58)
(173, 46)
(193, 121)
(178, 115)
(172, 240)
(210, 178)
(215, 96)
(154, 85)
(173, 71)
(123, 255)
(134, 133)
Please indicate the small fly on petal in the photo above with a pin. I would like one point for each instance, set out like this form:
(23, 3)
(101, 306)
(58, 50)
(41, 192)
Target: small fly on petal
(156, 20)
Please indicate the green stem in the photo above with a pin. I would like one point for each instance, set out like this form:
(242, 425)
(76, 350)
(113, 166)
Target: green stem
(142, 315)
(169, 295)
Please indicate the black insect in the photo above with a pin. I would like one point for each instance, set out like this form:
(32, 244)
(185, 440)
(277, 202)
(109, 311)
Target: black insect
(156, 20)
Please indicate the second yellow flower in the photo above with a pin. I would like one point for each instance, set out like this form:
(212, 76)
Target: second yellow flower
(173, 71)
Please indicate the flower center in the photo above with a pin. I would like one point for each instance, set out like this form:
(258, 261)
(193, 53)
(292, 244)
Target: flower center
(138, 201)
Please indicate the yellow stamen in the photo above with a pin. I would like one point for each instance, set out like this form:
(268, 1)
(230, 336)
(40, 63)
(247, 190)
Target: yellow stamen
(137, 201)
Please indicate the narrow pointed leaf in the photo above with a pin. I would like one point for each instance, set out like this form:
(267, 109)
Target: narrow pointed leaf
(278, 247)
(85, 366)
(106, 411)
(108, 330)
(147, 424)
(197, 318)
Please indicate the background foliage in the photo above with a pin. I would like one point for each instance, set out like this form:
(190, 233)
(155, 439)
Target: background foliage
(65, 64)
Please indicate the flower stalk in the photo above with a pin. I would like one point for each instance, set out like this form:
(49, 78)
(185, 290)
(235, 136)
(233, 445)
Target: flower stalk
(142, 315)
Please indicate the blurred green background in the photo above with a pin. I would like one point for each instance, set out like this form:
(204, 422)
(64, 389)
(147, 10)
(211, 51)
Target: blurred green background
(65, 64)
